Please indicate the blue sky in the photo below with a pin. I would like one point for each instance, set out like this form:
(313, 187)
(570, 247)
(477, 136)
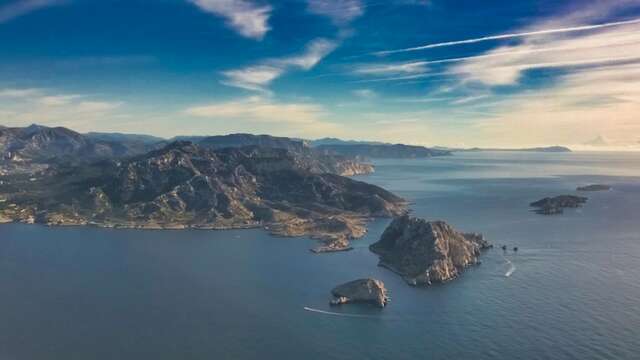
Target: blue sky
(432, 72)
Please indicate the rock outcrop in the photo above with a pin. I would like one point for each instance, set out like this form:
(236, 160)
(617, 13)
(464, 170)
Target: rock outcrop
(41, 143)
(370, 291)
(594, 187)
(187, 186)
(427, 252)
(556, 205)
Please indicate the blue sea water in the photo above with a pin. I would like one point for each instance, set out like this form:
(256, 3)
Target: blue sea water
(573, 291)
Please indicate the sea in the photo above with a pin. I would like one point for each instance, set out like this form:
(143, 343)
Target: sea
(572, 291)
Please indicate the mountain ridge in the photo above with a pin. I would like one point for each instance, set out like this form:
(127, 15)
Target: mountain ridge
(185, 185)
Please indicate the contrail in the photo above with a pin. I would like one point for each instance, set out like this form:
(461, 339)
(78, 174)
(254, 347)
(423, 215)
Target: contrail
(517, 52)
(508, 36)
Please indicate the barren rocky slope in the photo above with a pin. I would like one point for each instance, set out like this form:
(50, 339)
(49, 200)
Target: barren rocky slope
(426, 252)
(188, 186)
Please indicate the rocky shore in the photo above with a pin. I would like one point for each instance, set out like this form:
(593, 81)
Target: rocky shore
(426, 252)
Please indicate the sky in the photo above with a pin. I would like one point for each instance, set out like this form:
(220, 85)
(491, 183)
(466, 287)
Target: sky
(460, 73)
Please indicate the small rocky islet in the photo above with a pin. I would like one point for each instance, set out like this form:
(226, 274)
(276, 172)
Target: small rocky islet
(556, 205)
(594, 187)
(368, 290)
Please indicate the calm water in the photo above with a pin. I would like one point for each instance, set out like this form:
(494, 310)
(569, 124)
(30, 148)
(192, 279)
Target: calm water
(86, 293)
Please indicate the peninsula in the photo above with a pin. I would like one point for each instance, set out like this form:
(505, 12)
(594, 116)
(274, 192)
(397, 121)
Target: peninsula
(184, 185)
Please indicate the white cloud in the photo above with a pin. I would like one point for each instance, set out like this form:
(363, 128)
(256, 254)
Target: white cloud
(19, 93)
(260, 114)
(340, 12)
(580, 105)
(253, 77)
(97, 106)
(607, 45)
(316, 50)
(365, 93)
(259, 109)
(15, 9)
(258, 77)
(26, 106)
(58, 100)
(248, 19)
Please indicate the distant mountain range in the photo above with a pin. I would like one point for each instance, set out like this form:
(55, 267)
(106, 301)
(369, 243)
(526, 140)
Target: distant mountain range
(40, 144)
(336, 141)
(119, 137)
(21, 148)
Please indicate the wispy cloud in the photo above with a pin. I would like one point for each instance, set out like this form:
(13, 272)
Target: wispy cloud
(315, 52)
(341, 12)
(258, 109)
(258, 77)
(58, 100)
(596, 94)
(25, 106)
(19, 93)
(417, 67)
(365, 94)
(97, 106)
(15, 9)
(510, 36)
(248, 19)
(252, 78)
(505, 65)
(258, 112)
(580, 107)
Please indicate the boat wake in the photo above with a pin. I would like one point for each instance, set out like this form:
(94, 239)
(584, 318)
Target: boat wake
(339, 314)
(512, 268)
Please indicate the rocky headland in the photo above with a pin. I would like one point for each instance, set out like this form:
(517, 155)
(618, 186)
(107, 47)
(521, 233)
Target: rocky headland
(370, 291)
(184, 185)
(380, 151)
(426, 252)
(556, 205)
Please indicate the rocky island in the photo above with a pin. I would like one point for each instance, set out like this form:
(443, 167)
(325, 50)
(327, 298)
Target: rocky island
(370, 291)
(184, 185)
(594, 187)
(426, 252)
(556, 205)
